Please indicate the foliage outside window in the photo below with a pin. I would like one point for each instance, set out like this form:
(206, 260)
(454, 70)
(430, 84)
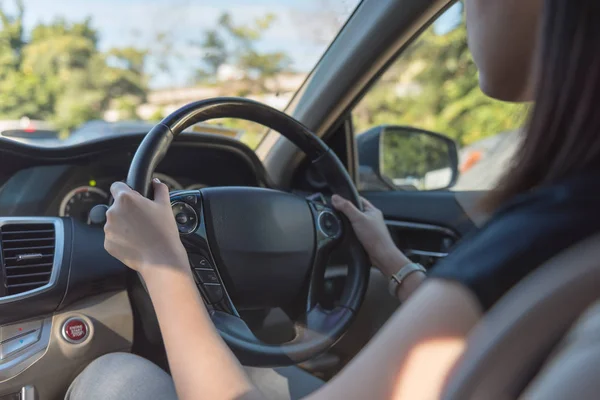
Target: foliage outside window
(434, 85)
(409, 159)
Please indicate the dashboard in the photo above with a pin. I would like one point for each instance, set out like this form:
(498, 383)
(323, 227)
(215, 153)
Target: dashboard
(69, 181)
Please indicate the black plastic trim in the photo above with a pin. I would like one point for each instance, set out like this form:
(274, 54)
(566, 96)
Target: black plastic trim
(438, 208)
(92, 270)
(16, 156)
(196, 244)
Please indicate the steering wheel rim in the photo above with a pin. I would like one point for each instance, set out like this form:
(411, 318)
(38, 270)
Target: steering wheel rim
(318, 329)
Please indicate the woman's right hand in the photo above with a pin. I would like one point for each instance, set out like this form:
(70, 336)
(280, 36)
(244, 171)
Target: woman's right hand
(142, 233)
(372, 232)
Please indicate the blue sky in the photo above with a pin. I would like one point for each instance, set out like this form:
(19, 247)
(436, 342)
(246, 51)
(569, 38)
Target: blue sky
(303, 28)
(298, 29)
(449, 19)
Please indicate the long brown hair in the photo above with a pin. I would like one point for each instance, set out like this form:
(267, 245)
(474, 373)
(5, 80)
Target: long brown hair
(562, 136)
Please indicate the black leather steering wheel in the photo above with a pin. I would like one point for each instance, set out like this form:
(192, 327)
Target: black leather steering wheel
(259, 248)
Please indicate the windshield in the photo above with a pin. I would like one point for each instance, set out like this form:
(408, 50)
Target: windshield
(74, 70)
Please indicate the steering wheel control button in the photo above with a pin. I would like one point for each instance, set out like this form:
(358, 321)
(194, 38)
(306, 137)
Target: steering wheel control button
(318, 200)
(214, 292)
(329, 224)
(15, 345)
(75, 330)
(181, 218)
(190, 199)
(185, 216)
(199, 261)
(206, 275)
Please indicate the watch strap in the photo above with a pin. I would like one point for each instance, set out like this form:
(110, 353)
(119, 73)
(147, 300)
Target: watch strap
(399, 277)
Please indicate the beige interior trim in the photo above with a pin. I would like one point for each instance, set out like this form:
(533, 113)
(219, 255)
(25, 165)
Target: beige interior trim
(110, 320)
(573, 371)
(509, 345)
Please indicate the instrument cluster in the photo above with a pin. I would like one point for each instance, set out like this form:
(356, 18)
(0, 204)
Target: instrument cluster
(79, 200)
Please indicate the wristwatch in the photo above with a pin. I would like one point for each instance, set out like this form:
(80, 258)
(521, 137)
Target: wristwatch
(399, 277)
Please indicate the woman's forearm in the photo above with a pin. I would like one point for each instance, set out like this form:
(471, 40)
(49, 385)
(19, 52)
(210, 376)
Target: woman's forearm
(412, 356)
(410, 285)
(201, 363)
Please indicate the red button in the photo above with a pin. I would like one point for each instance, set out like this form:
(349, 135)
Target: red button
(75, 330)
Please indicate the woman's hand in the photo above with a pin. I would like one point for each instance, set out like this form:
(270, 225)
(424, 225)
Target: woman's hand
(142, 233)
(372, 232)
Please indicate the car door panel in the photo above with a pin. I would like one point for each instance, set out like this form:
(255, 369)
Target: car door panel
(439, 208)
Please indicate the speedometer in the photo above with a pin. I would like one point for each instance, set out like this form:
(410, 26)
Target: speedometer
(79, 201)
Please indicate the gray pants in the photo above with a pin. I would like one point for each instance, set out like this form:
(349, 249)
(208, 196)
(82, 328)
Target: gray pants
(129, 377)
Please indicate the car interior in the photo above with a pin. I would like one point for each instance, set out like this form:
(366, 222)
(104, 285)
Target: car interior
(64, 301)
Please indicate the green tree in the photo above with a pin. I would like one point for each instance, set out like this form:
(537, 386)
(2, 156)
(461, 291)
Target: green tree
(410, 156)
(157, 115)
(11, 37)
(434, 85)
(235, 44)
(60, 74)
(127, 107)
(216, 52)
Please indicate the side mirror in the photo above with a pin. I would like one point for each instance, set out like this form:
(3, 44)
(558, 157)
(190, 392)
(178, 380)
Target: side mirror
(400, 157)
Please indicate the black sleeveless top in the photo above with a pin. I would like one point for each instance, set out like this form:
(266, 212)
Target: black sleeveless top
(522, 235)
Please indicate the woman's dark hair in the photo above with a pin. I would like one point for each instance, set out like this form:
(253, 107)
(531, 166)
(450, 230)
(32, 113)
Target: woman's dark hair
(563, 132)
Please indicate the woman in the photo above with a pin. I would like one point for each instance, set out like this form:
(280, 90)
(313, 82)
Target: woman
(539, 50)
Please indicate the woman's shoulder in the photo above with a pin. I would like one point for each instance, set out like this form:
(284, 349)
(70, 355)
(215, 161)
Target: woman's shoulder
(521, 237)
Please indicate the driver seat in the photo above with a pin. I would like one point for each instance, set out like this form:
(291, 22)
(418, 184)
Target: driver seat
(542, 339)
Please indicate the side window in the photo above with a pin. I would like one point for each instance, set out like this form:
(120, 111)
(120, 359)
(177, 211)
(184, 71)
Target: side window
(431, 92)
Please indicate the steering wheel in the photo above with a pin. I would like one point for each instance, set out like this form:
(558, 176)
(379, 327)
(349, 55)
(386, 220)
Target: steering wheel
(256, 248)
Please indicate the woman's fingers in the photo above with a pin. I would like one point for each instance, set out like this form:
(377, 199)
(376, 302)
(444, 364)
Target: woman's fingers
(367, 204)
(161, 192)
(350, 209)
(343, 205)
(118, 188)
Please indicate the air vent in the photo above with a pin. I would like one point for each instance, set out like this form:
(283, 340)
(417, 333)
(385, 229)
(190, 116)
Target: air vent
(27, 256)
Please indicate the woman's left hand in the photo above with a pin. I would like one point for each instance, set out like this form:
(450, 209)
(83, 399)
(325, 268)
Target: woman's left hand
(142, 233)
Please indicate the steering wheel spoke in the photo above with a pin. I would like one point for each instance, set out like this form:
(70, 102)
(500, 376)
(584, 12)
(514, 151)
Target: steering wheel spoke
(188, 211)
(328, 225)
(328, 233)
